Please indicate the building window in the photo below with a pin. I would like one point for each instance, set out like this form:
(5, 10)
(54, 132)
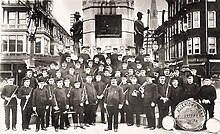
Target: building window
(211, 45)
(180, 47)
(196, 19)
(12, 43)
(45, 46)
(11, 18)
(211, 19)
(38, 46)
(189, 20)
(4, 43)
(211, 0)
(52, 49)
(189, 46)
(196, 45)
(19, 43)
(22, 18)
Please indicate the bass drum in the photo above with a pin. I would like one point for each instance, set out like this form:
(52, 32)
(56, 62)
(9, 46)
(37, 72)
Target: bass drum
(169, 123)
(190, 115)
(213, 125)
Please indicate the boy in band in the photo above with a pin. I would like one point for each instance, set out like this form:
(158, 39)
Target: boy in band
(40, 102)
(60, 105)
(149, 94)
(133, 100)
(112, 102)
(100, 88)
(163, 99)
(90, 107)
(207, 96)
(25, 94)
(10, 104)
(175, 94)
(77, 99)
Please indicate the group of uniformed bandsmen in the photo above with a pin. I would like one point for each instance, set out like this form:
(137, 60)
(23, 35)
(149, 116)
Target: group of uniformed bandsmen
(112, 83)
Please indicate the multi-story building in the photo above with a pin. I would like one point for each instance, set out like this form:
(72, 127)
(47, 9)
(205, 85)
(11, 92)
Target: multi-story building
(15, 44)
(191, 35)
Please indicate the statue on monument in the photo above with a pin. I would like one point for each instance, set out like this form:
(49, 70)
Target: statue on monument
(139, 32)
(77, 31)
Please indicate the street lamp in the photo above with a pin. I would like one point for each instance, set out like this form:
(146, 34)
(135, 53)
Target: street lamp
(184, 29)
(32, 28)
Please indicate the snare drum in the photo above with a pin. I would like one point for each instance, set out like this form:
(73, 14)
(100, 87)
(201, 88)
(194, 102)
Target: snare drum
(168, 123)
(190, 115)
(213, 125)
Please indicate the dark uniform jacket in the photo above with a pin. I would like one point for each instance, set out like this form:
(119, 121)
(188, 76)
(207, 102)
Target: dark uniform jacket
(190, 91)
(134, 100)
(22, 93)
(33, 82)
(175, 95)
(207, 92)
(99, 87)
(150, 94)
(7, 91)
(77, 96)
(114, 96)
(40, 97)
(163, 90)
(91, 93)
(60, 98)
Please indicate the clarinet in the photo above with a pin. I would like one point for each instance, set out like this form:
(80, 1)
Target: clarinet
(25, 104)
(11, 96)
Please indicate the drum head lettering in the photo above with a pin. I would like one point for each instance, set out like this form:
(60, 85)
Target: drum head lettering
(190, 115)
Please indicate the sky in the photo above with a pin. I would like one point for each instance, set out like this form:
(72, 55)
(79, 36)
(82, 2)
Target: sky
(63, 9)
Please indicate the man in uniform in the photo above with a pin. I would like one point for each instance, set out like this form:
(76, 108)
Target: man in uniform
(40, 102)
(100, 56)
(112, 102)
(29, 74)
(25, 94)
(9, 95)
(150, 94)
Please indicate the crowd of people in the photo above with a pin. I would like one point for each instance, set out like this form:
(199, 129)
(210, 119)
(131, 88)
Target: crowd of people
(113, 84)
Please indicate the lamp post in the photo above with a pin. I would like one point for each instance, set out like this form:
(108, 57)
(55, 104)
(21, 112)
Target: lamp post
(184, 29)
(32, 28)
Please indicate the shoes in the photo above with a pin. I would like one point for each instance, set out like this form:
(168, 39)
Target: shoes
(87, 125)
(130, 124)
(25, 129)
(107, 129)
(103, 122)
(82, 127)
(152, 128)
(44, 129)
(146, 127)
(56, 130)
(115, 130)
(64, 128)
(67, 126)
(14, 129)
(36, 130)
(7, 129)
(28, 128)
(138, 125)
(159, 126)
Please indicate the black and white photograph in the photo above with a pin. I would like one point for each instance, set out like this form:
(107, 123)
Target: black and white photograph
(110, 66)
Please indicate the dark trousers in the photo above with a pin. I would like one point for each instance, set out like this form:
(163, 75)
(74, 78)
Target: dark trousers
(49, 114)
(163, 111)
(59, 117)
(134, 109)
(40, 117)
(122, 113)
(79, 113)
(101, 105)
(90, 114)
(112, 112)
(26, 117)
(66, 120)
(209, 108)
(150, 114)
(12, 108)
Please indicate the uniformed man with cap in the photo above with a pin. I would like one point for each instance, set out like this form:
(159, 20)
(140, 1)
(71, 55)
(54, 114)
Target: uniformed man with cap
(163, 98)
(141, 56)
(29, 74)
(40, 103)
(25, 93)
(149, 93)
(127, 54)
(207, 96)
(85, 53)
(9, 94)
(52, 69)
(112, 102)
